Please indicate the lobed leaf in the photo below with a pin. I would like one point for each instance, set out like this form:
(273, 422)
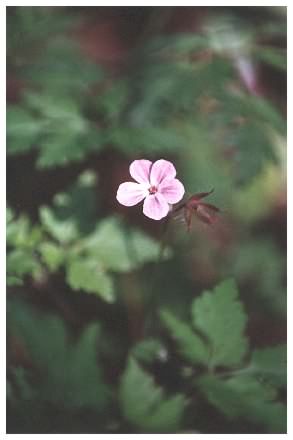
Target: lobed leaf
(63, 231)
(87, 275)
(144, 404)
(220, 316)
(121, 250)
(191, 346)
(271, 364)
(68, 374)
(245, 397)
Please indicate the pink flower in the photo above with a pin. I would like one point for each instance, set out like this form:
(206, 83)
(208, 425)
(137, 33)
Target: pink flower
(156, 183)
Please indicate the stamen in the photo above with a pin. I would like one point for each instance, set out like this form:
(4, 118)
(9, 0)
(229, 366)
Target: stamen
(153, 190)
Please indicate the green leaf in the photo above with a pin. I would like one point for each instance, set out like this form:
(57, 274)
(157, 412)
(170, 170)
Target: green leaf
(60, 148)
(20, 377)
(181, 43)
(62, 67)
(191, 346)
(254, 108)
(119, 249)
(85, 375)
(62, 132)
(262, 262)
(254, 149)
(149, 350)
(58, 109)
(274, 56)
(255, 200)
(245, 397)
(12, 280)
(221, 318)
(21, 262)
(68, 374)
(271, 364)
(79, 201)
(22, 240)
(52, 255)
(87, 275)
(9, 215)
(20, 233)
(62, 230)
(22, 129)
(144, 405)
(114, 99)
(151, 138)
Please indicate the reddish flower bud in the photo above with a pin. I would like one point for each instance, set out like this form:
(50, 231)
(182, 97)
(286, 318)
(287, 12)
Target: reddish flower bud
(205, 212)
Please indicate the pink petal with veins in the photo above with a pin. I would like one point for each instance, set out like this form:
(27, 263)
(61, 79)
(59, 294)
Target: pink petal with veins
(162, 169)
(172, 190)
(140, 170)
(155, 206)
(131, 193)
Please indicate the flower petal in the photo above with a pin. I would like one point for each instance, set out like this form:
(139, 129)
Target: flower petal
(155, 206)
(162, 169)
(131, 193)
(140, 170)
(172, 190)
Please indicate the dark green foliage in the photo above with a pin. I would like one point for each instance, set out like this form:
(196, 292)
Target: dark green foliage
(190, 344)
(53, 124)
(214, 314)
(120, 324)
(144, 404)
(218, 314)
(88, 259)
(149, 350)
(245, 397)
(271, 364)
(248, 392)
(67, 373)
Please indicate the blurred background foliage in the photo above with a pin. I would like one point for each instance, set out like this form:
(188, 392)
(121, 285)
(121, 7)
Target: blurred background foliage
(104, 335)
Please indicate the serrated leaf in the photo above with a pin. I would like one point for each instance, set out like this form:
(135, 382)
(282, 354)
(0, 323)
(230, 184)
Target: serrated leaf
(271, 364)
(144, 404)
(221, 318)
(21, 233)
(60, 148)
(68, 374)
(52, 255)
(22, 129)
(87, 275)
(191, 346)
(244, 397)
(21, 262)
(62, 132)
(84, 374)
(149, 350)
(62, 230)
(56, 108)
(62, 67)
(121, 250)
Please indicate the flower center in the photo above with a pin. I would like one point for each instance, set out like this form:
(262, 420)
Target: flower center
(153, 189)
